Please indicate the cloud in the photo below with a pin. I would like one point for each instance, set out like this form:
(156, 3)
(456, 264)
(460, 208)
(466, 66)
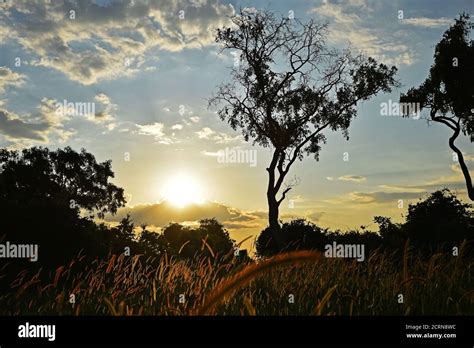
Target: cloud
(218, 137)
(240, 224)
(205, 133)
(402, 188)
(315, 217)
(103, 99)
(456, 181)
(425, 22)
(354, 178)
(15, 128)
(10, 78)
(224, 138)
(166, 135)
(468, 158)
(346, 25)
(90, 41)
(392, 193)
(105, 113)
(211, 154)
(38, 127)
(381, 197)
(163, 213)
(156, 130)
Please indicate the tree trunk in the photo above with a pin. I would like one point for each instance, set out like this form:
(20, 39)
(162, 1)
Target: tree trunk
(273, 204)
(462, 163)
(273, 214)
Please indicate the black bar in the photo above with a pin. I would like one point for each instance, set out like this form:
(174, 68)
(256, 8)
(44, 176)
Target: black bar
(241, 330)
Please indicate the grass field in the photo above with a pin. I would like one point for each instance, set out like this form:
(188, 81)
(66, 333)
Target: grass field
(298, 283)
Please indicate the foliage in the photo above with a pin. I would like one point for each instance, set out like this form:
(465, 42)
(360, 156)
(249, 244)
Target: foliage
(440, 219)
(210, 238)
(299, 235)
(64, 178)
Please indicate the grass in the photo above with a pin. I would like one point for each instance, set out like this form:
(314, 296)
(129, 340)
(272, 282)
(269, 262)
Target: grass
(297, 283)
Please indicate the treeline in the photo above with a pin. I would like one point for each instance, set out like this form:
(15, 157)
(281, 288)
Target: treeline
(440, 222)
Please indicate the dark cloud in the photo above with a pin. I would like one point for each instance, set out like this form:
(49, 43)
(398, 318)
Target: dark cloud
(14, 128)
(37, 127)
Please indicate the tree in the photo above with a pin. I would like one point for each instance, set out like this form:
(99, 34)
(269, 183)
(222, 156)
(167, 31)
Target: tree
(151, 241)
(216, 236)
(392, 234)
(287, 88)
(448, 92)
(210, 238)
(439, 219)
(44, 195)
(300, 235)
(64, 176)
(125, 229)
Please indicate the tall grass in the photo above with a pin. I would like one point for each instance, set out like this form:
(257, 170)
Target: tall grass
(298, 283)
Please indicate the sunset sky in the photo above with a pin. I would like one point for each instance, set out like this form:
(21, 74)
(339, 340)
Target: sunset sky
(150, 68)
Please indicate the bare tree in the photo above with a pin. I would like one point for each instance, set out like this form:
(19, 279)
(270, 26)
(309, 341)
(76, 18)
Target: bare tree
(287, 88)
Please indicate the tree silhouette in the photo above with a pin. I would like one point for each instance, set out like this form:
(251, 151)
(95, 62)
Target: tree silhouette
(287, 88)
(210, 238)
(300, 235)
(63, 176)
(440, 219)
(448, 91)
(392, 234)
(151, 241)
(50, 197)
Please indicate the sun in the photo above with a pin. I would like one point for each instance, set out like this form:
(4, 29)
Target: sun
(182, 190)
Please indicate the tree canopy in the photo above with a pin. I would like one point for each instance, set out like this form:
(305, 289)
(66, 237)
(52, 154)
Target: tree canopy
(64, 176)
(210, 238)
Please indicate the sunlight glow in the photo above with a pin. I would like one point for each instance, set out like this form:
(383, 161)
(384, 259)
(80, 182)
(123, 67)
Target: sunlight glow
(182, 190)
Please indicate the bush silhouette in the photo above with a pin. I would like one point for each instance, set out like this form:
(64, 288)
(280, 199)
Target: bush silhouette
(299, 235)
(210, 239)
(441, 220)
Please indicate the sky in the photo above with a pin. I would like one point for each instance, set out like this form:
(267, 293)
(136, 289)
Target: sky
(148, 69)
